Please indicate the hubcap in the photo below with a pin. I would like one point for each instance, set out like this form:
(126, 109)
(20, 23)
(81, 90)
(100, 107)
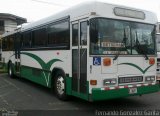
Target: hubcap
(60, 85)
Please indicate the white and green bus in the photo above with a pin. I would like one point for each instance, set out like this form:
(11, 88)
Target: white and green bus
(94, 51)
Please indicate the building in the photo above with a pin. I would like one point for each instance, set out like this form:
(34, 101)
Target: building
(9, 22)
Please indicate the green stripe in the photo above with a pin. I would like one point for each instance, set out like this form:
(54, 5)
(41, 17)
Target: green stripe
(44, 66)
(134, 65)
(51, 62)
(38, 59)
(36, 75)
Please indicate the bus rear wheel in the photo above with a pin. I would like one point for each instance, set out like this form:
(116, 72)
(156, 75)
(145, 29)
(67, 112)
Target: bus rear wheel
(10, 70)
(60, 86)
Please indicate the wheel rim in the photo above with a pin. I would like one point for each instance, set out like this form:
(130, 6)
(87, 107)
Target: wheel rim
(60, 85)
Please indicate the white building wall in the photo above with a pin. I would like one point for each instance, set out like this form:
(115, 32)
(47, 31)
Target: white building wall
(10, 25)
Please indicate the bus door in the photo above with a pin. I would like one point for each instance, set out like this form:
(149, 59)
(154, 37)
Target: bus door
(79, 56)
(17, 53)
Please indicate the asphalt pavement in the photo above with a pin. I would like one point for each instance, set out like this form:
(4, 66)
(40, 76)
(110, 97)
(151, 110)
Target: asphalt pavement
(21, 97)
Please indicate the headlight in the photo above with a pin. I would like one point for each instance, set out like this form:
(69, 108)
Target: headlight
(109, 82)
(158, 64)
(150, 78)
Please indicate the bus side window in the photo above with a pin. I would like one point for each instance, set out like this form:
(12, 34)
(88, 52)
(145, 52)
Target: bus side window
(58, 35)
(11, 46)
(10, 43)
(4, 43)
(75, 34)
(26, 40)
(39, 37)
(83, 30)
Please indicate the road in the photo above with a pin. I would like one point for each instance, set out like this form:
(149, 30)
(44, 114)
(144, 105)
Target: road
(24, 97)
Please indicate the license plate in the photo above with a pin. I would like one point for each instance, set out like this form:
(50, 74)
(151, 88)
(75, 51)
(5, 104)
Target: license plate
(132, 90)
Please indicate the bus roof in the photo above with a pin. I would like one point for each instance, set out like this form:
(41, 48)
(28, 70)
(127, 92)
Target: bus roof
(86, 9)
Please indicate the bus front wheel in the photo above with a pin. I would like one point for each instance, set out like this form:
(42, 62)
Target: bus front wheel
(60, 86)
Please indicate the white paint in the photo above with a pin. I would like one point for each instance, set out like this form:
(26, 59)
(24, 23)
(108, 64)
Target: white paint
(33, 10)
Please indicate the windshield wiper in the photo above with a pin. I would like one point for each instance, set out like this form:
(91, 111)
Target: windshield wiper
(139, 47)
(123, 41)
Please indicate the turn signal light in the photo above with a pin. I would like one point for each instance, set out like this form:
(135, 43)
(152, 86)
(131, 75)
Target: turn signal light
(93, 82)
(151, 61)
(106, 62)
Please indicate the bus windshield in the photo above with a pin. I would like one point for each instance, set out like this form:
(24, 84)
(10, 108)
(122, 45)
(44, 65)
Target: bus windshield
(109, 36)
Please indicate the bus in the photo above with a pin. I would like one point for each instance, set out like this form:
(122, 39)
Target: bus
(93, 51)
(158, 56)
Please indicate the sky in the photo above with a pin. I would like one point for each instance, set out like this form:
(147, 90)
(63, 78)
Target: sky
(35, 10)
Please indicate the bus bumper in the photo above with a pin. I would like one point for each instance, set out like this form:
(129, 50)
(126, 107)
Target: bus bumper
(102, 94)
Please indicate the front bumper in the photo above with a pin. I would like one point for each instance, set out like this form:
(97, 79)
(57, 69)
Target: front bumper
(105, 94)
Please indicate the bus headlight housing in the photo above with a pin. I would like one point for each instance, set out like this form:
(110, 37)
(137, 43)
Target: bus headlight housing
(158, 65)
(112, 81)
(150, 78)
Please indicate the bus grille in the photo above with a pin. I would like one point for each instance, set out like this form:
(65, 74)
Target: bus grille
(130, 79)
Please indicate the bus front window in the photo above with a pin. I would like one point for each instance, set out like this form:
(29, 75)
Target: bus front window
(158, 42)
(108, 36)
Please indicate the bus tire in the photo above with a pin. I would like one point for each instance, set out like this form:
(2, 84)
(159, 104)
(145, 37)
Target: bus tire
(10, 70)
(60, 86)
